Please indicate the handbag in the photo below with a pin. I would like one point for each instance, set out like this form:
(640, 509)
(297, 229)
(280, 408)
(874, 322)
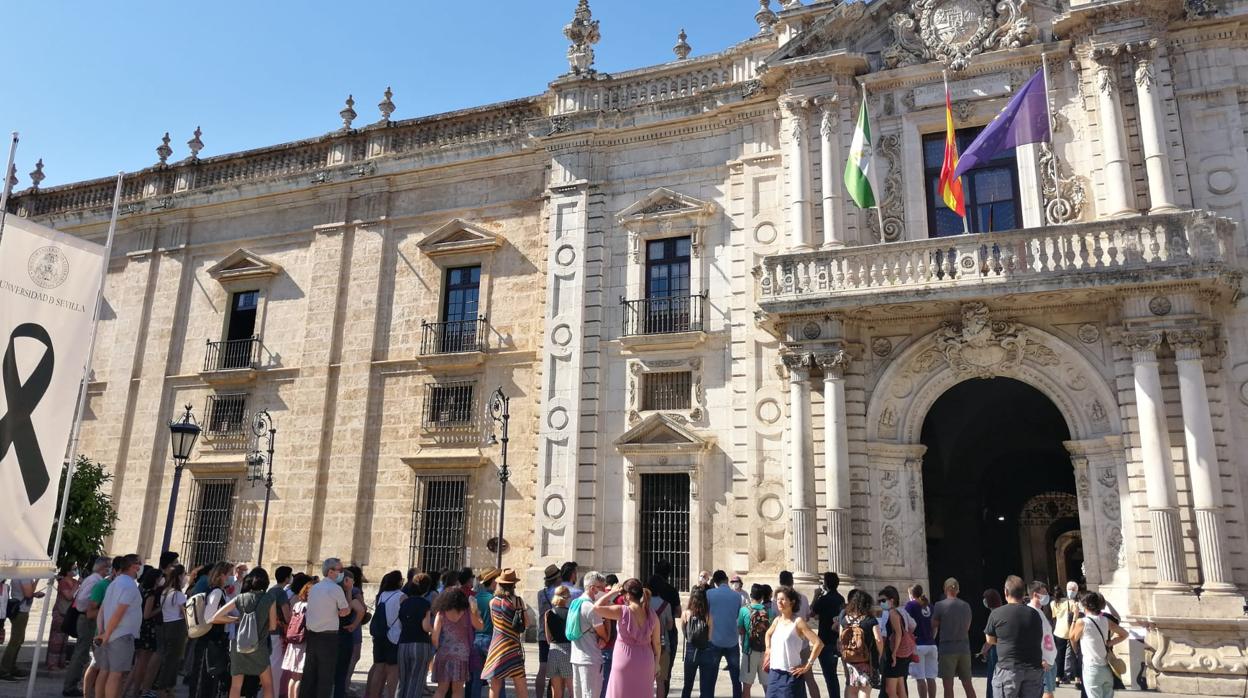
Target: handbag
(519, 620)
(1116, 664)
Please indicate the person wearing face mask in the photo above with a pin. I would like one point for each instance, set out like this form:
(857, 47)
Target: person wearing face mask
(988, 652)
(1064, 611)
(1039, 593)
(120, 617)
(897, 629)
(326, 604)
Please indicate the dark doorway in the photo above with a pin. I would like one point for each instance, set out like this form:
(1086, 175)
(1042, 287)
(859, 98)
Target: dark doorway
(993, 446)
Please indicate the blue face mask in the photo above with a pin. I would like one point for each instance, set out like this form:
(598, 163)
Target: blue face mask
(886, 605)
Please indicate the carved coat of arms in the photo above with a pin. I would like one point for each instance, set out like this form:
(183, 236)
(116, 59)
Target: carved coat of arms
(979, 346)
(952, 31)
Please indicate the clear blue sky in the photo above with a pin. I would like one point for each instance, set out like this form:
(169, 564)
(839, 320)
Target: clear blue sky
(93, 85)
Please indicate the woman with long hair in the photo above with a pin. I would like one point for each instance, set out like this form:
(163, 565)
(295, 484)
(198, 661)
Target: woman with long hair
(252, 601)
(212, 650)
(696, 624)
(506, 657)
(145, 657)
(415, 644)
(637, 643)
(455, 621)
(66, 589)
(925, 669)
(859, 643)
(383, 676)
(292, 662)
(785, 638)
(898, 643)
(171, 641)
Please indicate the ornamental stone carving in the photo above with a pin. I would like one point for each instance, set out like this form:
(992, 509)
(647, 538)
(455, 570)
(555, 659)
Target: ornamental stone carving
(891, 203)
(833, 362)
(582, 31)
(1187, 340)
(953, 31)
(798, 362)
(1142, 341)
(979, 346)
(1063, 193)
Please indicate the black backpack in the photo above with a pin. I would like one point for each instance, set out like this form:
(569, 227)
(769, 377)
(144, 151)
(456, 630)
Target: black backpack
(698, 633)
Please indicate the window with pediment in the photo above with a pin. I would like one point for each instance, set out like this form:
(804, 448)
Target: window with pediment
(991, 190)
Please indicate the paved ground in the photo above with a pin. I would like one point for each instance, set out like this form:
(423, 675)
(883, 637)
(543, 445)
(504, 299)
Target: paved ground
(49, 684)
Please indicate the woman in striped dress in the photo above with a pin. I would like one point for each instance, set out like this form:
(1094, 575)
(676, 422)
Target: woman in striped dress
(506, 657)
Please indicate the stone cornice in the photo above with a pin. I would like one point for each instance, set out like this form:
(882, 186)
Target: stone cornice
(984, 64)
(1082, 21)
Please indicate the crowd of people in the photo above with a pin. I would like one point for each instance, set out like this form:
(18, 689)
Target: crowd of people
(224, 629)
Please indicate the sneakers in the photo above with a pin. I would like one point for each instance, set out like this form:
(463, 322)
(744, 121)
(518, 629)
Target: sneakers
(72, 693)
(8, 677)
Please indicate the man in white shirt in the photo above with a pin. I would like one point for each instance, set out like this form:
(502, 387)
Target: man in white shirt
(121, 616)
(326, 604)
(1048, 646)
(21, 591)
(86, 628)
(587, 649)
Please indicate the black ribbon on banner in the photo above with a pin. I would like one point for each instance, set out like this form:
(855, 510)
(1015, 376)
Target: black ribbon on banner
(16, 428)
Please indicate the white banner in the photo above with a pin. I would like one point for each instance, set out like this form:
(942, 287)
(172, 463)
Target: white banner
(48, 287)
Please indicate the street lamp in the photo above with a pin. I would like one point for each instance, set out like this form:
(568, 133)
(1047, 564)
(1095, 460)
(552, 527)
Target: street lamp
(499, 411)
(182, 436)
(260, 468)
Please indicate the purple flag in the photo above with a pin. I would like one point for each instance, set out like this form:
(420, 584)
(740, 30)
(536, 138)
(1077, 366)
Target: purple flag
(1024, 120)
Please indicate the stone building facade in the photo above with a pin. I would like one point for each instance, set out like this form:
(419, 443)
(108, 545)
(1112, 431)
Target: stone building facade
(713, 356)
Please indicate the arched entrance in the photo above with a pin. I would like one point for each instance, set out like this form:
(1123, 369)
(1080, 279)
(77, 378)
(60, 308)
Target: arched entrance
(994, 446)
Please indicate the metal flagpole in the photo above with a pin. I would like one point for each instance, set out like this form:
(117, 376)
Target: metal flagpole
(966, 226)
(8, 184)
(49, 594)
(1048, 113)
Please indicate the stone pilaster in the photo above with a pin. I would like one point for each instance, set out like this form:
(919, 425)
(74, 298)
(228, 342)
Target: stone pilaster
(801, 496)
(1152, 129)
(796, 114)
(1118, 185)
(1202, 459)
(1155, 453)
(836, 466)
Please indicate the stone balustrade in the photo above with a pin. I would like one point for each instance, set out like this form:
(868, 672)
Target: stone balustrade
(317, 158)
(1061, 255)
(655, 86)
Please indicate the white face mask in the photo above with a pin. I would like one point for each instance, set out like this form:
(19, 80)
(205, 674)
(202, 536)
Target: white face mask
(1044, 599)
(229, 581)
(1072, 593)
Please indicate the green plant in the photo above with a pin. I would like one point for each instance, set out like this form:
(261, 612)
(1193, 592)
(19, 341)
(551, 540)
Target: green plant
(89, 515)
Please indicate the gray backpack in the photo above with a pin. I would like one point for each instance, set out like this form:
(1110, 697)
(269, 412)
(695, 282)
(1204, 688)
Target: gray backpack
(247, 635)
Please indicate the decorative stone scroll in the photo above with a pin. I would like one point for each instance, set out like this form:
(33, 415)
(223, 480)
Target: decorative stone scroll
(891, 202)
(1063, 193)
(953, 31)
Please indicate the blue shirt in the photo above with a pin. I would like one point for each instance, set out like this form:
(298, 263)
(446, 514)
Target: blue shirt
(483, 599)
(725, 605)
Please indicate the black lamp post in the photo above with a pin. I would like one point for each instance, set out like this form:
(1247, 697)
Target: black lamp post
(499, 411)
(182, 436)
(260, 468)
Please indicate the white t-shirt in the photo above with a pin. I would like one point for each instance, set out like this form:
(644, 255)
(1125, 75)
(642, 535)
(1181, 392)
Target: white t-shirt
(83, 597)
(1048, 648)
(1092, 643)
(324, 602)
(171, 606)
(122, 591)
(585, 650)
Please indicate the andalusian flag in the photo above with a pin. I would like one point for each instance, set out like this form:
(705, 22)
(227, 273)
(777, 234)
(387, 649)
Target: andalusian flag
(858, 167)
(951, 185)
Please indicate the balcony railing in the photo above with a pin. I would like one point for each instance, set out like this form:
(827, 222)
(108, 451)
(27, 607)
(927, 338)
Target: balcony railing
(1158, 243)
(232, 354)
(664, 315)
(452, 337)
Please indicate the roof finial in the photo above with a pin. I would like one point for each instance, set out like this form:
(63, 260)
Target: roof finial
(582, 31)
(682, 47)
(195, 144)
(386, 106)
(765, 17)
(347, 114)
(163, 150)
(37, 176)
(13, 176)
(790, 4)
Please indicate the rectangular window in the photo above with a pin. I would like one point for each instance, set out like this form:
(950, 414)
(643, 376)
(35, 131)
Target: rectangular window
(667, 304)
(990, 191)
(665, 525)
(460, 301)
(209, 521)
(667, 391)
(227, 414)
(243, 306)
(439, 513)
(449, 404)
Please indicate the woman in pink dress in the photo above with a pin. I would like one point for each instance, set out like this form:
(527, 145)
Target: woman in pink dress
(637, 643)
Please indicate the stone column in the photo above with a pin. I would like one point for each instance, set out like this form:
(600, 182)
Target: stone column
(836, 463)
(829, 149)
(1118, 185)
(796, 112)
(1152, 129)
(801, 500)
(1155, 453)
(1202, 459)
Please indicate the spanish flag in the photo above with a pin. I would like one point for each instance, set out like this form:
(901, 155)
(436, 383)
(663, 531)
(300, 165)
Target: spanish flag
(951, 185)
